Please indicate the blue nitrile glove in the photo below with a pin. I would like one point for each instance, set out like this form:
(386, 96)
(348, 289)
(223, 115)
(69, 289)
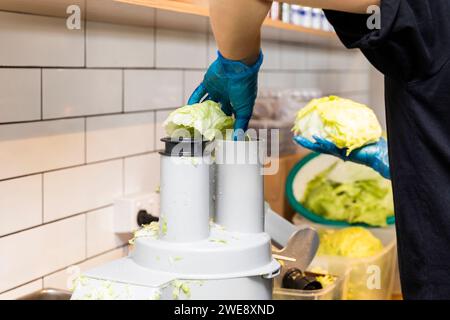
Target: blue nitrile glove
(234, 85)
(374, 155)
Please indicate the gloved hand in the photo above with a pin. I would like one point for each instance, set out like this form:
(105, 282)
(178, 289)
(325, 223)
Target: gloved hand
(374, 155)
(234, 85)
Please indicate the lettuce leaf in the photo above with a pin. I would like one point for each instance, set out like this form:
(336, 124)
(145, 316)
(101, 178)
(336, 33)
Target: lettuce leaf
(204, 119)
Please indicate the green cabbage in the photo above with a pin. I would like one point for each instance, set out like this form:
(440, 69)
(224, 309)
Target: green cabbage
(206, 119)
(353, 242)
(346, 123)
(350, 192)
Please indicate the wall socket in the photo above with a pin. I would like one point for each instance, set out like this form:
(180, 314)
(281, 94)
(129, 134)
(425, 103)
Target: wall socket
(127, 209)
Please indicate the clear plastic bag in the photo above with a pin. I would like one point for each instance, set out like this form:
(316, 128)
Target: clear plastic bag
(276, 109)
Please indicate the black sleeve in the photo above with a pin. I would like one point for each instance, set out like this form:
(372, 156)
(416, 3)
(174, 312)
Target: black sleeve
(412, 43)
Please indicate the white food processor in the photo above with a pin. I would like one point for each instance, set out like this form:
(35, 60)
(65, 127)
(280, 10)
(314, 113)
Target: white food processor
(210, 241)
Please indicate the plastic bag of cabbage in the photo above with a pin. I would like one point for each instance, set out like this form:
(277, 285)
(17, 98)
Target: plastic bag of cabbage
(350, 253)
(353, 242)
(346, 123)
(205, 119)
(350, 192)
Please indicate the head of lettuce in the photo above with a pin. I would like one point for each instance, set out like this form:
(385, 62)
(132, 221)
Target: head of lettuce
(201, 119)
(348, 124)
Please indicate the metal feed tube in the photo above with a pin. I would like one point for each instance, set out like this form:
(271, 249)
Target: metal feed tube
(239, 186)
(185, 191)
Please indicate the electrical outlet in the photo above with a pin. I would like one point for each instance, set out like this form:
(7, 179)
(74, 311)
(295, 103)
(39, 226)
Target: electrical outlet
(127, 209)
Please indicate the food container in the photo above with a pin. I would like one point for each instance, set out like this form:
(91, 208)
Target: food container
(334, 291)
(369, 278)
(303, 172)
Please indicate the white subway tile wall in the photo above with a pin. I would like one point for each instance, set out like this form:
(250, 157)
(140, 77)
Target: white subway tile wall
(317, 58)
(30, 254)
(22, 291)
(20, 203)
(153, 89)
(180, 49)
(81, 115)
(20, 96)
(212, 48)
(142, 173)
(120, 135)
(40, 146)
(272, 57)
(109, 45)
(191, 81)
(78, 92)
(292, 57)
(29, 40)
(63, 279)
(160, 133)
(99, 226)
(75, 190)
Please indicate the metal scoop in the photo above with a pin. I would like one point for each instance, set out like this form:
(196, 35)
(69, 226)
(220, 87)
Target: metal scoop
(299, 243)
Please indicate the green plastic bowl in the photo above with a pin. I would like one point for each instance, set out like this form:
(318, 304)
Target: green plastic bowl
(305, 170)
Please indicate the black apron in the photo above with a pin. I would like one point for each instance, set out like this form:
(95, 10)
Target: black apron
(412, 50)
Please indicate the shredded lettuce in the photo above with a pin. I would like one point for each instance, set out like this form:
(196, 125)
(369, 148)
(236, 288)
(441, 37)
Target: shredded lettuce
(353, 242)
(346, 123)
(206, 119)
(350, 192)
(180, 287)
(147, 230)
(325, 278)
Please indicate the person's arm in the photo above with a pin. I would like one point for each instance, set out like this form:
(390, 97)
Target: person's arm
(236, 26)
(232, 79)
(237, 23)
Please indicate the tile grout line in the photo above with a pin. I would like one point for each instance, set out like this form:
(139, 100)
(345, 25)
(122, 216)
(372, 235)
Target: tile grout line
(154, 38)
(123, 176)
(42, 199)
(56, 220)
(81, 165)
(42, 94)
(87, 258)
(23, 284)
(61, 269)
(123, 90)
(85, 235)
(155, 133)
(183, 86)
(85, 141)
(278, 70)
(90, 115)
(85, 34)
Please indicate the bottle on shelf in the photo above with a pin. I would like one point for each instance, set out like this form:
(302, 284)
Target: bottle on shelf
(307, 17)
(316, 22)
(296, 16)
(286, 12)
(300, 16)
(275, 11)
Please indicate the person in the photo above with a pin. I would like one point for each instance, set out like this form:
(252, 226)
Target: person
(411, 48)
